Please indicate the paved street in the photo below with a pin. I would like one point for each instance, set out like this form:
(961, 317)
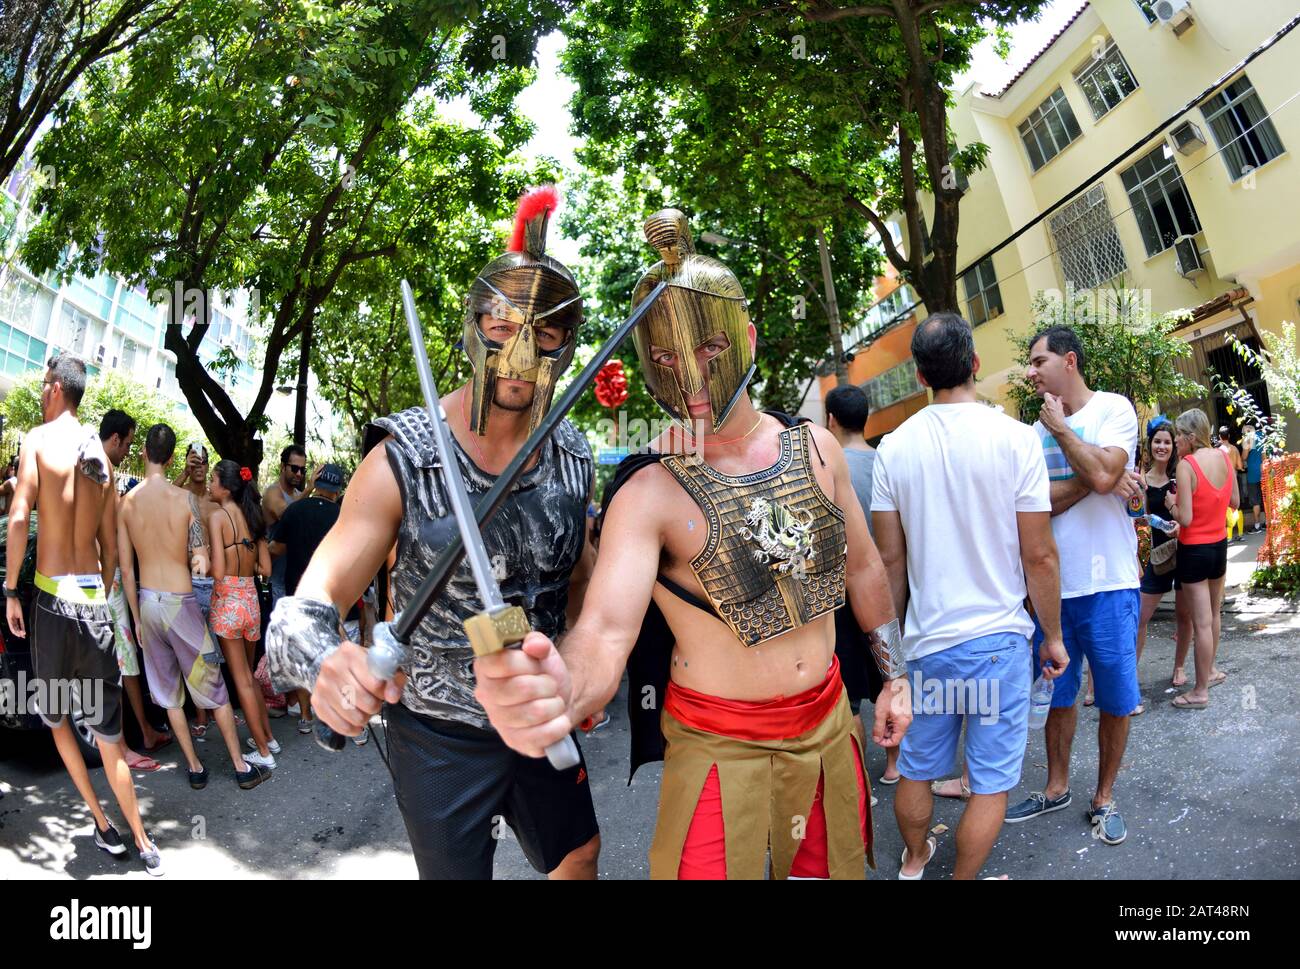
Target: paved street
(1210, 794)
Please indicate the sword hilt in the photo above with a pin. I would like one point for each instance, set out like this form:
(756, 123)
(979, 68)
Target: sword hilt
(384, 658)
(505, 628)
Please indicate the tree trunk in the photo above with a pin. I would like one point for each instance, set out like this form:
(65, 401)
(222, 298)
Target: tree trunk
(300, 411)
(832, 312)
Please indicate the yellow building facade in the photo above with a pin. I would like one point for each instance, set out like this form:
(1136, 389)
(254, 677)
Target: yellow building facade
(1196, 208)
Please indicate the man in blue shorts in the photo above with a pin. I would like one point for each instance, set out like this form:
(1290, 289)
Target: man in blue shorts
(1089, 440)
(962, 588)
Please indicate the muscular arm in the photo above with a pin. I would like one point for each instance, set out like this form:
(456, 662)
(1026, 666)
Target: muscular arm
(579, 579)
(618, 594)
(1068, 493)
(21, 508)
(272, 509)
(1098, 469)
(1042, 565)
(127, 552)
(107, 535)
(892, 543)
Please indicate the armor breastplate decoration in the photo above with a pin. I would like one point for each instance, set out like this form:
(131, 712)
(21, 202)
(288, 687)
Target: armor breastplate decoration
(775, 552)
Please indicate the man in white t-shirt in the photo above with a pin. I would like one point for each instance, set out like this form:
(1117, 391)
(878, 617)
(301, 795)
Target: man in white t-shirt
(1089, 440)
(962, 517)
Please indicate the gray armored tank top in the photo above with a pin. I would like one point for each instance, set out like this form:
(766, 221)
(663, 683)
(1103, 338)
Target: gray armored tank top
(533, 543)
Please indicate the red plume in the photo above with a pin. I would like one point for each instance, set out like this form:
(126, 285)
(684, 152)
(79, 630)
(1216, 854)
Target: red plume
(544, 198)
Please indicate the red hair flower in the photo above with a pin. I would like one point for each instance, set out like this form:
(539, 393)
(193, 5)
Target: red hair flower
(611, 385)
(245, 474)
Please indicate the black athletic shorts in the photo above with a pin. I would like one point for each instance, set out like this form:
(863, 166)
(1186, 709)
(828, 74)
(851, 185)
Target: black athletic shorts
(457, 785)
(1158, 585)
(858, 669)
(73, 648)
(1254, 496)
(1196, 563)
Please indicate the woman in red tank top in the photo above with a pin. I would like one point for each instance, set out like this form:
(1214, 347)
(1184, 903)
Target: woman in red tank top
(1206, 489)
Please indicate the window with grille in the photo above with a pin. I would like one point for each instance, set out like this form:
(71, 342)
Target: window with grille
(1106, 81)
(1048, 129)
(983, 298)
(895, 384)
(1242, 128)
(1161, 205)
(1086, 241)
(1145, 7)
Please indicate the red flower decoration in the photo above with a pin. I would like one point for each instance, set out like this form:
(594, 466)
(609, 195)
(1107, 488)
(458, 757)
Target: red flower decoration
(245, 474)
(611, 385)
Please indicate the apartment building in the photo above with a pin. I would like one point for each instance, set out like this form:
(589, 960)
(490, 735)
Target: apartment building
(106, 322)
(1132, 151)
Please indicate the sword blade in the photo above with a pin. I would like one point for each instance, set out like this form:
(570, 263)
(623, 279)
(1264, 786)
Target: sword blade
(453, 483)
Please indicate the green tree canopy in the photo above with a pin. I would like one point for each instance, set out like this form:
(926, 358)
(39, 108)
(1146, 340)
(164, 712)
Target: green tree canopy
(1128, 350)
(273, 146)
(810, 113)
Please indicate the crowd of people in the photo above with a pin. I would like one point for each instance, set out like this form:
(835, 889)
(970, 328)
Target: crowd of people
(758, 580)
(165, 576)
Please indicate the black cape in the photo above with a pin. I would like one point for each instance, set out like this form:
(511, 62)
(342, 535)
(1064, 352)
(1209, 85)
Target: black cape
(649, 666)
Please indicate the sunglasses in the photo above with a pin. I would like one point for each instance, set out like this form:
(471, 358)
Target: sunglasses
(297, 468)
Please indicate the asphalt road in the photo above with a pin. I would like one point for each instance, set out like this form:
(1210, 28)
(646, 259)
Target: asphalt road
(1207, 795)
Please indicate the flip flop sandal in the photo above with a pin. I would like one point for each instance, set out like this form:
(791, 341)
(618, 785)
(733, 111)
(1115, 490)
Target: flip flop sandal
(889, 781)
(198, 730)
(963, 796)
(934, 846)
(1188, 704)
(1217, 680)
(146, 765)
(1089, 699)
(158, 746)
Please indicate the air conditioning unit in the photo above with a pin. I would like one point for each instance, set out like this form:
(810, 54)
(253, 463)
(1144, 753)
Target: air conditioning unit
(1187, 257)
(1174, 14)
(1188, 138)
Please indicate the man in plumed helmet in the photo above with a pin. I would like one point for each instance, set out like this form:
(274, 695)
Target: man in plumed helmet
(456, 781)
(725, 551)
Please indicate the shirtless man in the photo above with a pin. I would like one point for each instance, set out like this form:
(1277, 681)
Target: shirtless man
(160, 523)
(117, 434)
(64, 474)
(747, 547)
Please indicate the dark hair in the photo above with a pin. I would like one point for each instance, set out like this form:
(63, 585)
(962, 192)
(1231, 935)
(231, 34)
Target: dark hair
(1061, 340)
(69, 372)
(159, 444)
(849, 406)
(1172, 463)
(290, 451)
(944, 351)
(244, 494)
(117, 422)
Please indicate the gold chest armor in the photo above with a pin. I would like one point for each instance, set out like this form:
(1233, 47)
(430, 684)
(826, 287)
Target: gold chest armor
(774, 556)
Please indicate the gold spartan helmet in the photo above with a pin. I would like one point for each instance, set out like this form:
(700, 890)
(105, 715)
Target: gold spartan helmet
(703, 299)
(527, 287)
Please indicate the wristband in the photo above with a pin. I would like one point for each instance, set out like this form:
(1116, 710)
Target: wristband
(12, 593)
(887, 647)
(302, 634)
